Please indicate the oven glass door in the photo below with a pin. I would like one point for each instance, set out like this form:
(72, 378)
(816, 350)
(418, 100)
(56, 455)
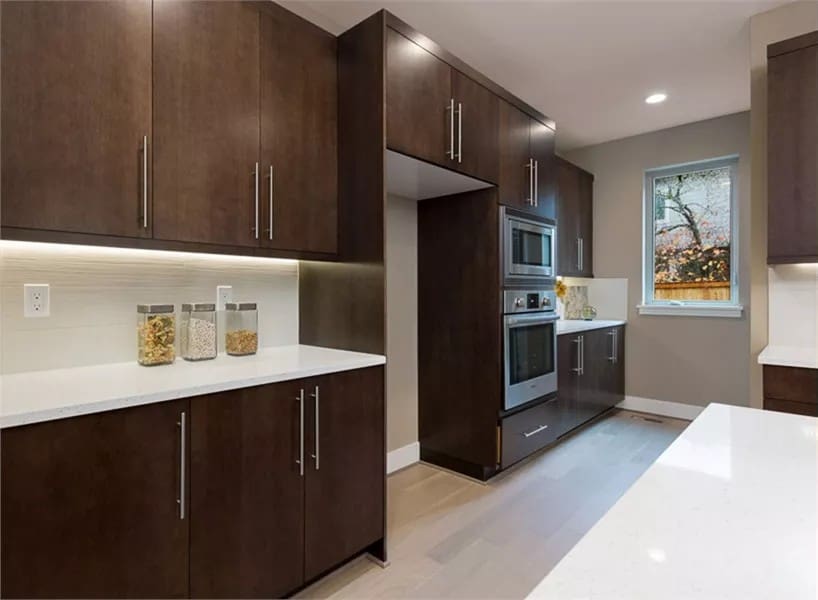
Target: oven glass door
(530, 357)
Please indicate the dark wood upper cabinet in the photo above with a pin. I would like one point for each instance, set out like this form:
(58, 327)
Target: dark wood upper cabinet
(206, 122)
(299, 134)
(74, 113)
(418, 94)
(575, 220)
(247, 499)
(527, 172)
(345, 468)
(792, 150)
(478, 116)
(90, 506)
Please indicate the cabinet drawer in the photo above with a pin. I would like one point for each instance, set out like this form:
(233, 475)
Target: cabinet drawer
(528, 431)
(791, 383)
(787, 406)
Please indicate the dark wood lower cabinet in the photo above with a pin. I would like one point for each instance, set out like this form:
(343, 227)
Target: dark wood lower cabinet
(89, 506)
(345, 468)
(791, 389)
(247, 493)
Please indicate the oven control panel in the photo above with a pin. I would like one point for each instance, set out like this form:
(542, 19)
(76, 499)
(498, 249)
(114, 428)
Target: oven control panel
(517, 301)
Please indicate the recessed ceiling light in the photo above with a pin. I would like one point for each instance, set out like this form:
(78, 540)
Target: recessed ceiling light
(656, 98)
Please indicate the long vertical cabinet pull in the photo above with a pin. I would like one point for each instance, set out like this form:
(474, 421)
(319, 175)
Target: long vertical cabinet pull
(182, 423)
(450, 109)
(581, 242)
(145, 182)
(578, 341)
(270, 224)
(317, 456)
(530, 167)
(536, 183)
(459, 132)
(255, 178)
(300, 461)
(612, 335)
(582, 355)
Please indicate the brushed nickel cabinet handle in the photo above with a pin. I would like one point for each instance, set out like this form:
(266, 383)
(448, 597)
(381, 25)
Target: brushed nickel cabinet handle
(539, 429)
(536, 183)
(270, 230)
(182, 424)
(317, 456)
(450, 109)
(459, 132)
(530, 167)
(145, 182)
(300, 460)
(255, 179)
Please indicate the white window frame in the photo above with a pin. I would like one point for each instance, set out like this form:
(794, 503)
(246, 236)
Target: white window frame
(691, 308)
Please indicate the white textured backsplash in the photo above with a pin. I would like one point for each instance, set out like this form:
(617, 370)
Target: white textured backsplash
(94, 293)
(793, 306)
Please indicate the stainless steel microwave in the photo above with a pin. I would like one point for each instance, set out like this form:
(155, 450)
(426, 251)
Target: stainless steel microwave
(528, 248)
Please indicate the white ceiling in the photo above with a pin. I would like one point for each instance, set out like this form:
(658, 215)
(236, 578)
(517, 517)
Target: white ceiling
(588, 64)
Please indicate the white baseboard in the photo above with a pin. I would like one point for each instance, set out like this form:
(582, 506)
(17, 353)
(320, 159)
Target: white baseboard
(676, 410)
(402, 457)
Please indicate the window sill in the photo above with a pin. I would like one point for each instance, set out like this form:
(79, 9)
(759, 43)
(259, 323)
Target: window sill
(733, 311)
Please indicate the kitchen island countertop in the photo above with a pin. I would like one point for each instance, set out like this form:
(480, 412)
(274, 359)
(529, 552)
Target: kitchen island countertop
(728, 511)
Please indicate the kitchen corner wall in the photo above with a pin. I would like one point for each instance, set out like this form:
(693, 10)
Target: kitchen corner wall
(401, 322)
(690, 360)
(94, 293)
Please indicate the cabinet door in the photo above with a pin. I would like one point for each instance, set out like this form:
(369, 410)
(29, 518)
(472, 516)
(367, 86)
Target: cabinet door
(418, 93)
(792, 81)
(345, 480)
(568, 378)
(542, 151)
(206, 121)
(611, 377)
(568, 218)
(514, 177)
(76, 107)
(246, 536)
(477, 146)
(595, 384)
(299, 134)
(89, 506)
(586, 223)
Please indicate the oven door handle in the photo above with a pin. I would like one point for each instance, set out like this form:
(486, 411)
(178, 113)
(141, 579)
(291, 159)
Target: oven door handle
(535, 320)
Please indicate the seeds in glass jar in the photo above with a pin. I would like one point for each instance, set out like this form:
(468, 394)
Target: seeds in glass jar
(241, 341)
(201, 339)
(156, 336)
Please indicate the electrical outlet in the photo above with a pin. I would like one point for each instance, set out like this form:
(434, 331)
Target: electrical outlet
(224, 294)
(36, 300)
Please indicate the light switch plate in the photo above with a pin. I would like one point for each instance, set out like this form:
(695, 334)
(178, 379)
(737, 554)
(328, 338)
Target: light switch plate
(36, 300)
(224, 294)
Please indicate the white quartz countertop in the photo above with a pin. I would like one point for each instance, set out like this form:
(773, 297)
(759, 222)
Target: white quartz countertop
(576, 325)
(46, 395)
(789, 356)
(727, 512)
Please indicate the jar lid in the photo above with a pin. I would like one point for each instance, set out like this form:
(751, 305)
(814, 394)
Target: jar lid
(240, 306)
(199, 307)
(154, 308)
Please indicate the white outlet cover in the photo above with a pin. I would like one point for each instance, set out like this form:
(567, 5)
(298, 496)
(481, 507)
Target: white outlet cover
(36, 300)
(224, 294)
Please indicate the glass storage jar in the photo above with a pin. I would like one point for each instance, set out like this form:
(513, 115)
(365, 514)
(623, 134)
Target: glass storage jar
(241, 328)
(197, 331)
(156, 334)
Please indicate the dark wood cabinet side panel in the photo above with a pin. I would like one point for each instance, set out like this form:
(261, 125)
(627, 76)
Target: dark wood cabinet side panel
(346, 472)
(514, 187)
(206, 121)
(543, 140)
(478, 149)
(792, 150)
(342, 305)
(75, 106)
(459, 326)
(586, 222)
(247, 502)
(89, 506)
(299, 133)
(418, 91)
(568, 218)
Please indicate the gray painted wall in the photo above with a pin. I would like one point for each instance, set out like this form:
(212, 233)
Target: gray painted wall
(691, 360)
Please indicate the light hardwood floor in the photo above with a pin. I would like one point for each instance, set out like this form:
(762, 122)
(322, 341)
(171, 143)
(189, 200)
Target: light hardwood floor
(455, 538)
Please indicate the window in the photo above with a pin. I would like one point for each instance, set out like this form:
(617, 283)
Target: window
(691, 259)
